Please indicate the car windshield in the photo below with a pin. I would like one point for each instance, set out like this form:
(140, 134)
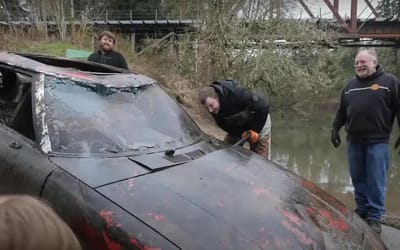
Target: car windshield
(87, 118)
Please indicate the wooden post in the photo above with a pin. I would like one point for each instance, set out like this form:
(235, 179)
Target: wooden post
(72, 20)
(172, 45)
(353, 14)
(94, 46)
(133, 42)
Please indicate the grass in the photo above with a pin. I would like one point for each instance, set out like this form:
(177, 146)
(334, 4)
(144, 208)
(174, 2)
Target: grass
(49, 48)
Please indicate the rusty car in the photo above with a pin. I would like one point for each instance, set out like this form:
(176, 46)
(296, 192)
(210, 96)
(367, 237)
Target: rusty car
(127, 168)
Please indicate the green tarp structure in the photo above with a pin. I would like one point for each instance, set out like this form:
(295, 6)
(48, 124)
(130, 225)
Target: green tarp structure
(75, 53)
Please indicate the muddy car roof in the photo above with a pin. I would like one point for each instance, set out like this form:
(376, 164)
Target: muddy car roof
(84, 70)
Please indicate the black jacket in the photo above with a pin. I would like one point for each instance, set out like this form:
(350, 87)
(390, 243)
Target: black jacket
(112, 58)
(368, 107)
(240, 109)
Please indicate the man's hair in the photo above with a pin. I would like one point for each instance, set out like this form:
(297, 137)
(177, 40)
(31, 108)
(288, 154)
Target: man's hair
(205, 92)
(28, 223)
(108, 34)
(369, 51)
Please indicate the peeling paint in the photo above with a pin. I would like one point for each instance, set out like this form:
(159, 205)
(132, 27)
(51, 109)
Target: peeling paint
(343, 210)
(292, 217)
(334, 223)
(310, 211)
(40, 111)
(107, 215)
(308, 184)
(326, 214)
(79, 75)
(157, 217)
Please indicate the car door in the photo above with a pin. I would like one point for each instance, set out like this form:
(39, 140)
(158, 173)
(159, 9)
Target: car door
(23, 167)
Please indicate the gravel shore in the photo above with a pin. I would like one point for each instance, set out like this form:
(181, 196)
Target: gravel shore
(391, 221)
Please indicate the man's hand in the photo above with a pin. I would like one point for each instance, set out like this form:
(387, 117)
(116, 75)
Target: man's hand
(335, 138)
(397, 144)
(252, 136)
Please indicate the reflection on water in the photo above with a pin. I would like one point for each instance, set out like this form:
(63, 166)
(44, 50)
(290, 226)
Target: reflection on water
(301, 143)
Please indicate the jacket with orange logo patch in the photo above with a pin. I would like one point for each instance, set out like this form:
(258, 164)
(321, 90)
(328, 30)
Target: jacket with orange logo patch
(368, 107)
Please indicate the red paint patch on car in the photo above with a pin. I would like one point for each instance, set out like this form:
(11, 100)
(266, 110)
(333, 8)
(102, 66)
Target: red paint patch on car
(78, 75)
(134, 242)
(326, 214)
(107, 215)
(261, 191)
(157, 217)
(335, 223)
(151, 248)
(308, 184)
(92, 238)
(343, 211)
(292, 217)
(339, 224)
(110, 244)
(310, 211)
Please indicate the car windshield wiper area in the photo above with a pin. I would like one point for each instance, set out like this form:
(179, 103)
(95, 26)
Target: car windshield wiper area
(90, 147)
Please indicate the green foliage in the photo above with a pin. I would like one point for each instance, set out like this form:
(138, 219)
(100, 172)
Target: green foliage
(389, 8)
(247, 52)
(389, 59)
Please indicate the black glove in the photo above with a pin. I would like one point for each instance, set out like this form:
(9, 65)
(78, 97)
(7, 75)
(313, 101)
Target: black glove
(335, 138)
(396, 145)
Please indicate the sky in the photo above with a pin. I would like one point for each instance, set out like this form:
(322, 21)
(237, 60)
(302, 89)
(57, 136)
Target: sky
(319, 8)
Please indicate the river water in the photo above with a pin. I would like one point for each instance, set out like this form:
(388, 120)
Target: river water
(301, 143)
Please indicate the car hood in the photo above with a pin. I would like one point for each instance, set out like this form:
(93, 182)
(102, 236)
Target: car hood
(233, 199)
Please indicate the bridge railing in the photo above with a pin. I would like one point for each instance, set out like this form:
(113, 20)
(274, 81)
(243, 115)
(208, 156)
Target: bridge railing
(139, 15)
(108, 15)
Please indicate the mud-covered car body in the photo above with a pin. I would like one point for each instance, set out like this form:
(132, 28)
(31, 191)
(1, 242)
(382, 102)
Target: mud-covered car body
(127, 168)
